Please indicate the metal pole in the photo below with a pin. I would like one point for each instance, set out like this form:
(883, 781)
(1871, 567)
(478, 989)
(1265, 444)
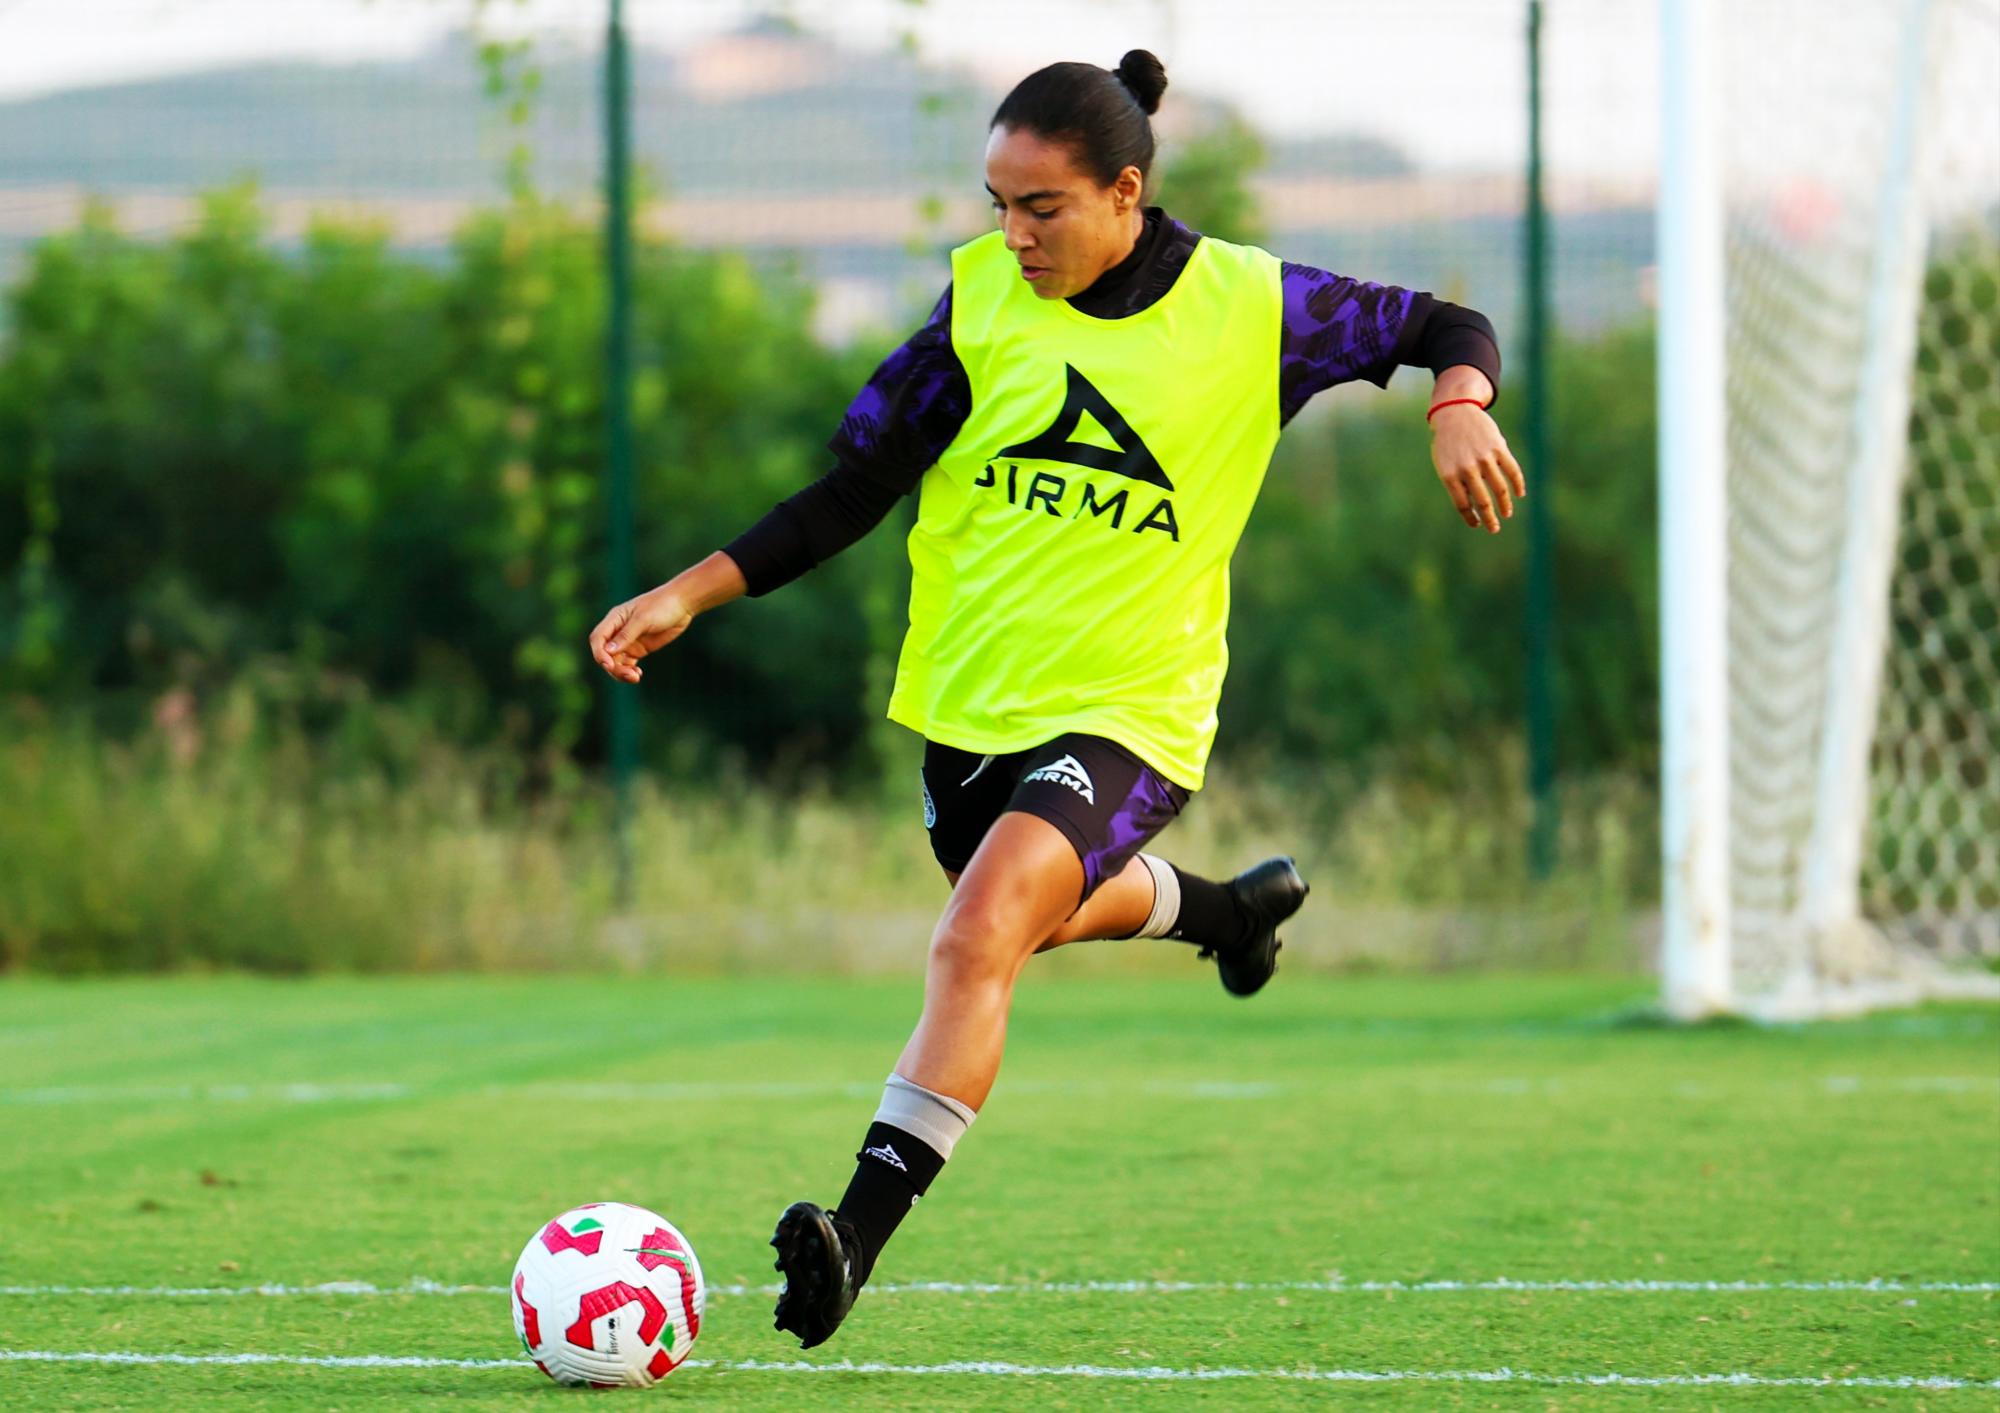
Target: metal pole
(623, 721)
(1694, 527)
(1541, 551)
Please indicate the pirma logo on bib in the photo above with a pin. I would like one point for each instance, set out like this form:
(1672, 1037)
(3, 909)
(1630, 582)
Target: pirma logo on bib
(1129, 457)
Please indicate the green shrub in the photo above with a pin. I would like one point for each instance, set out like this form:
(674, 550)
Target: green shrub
(389, 468)
(232, 838)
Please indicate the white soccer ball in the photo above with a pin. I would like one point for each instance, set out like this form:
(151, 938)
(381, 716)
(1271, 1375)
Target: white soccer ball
(608, 1294)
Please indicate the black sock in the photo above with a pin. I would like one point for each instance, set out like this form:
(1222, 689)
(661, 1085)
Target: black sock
(1210, 915)
(893, 1169)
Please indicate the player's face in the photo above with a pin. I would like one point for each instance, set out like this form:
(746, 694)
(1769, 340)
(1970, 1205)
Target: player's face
(1063, 227)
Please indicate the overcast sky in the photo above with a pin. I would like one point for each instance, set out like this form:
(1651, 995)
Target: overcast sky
(1442, 78)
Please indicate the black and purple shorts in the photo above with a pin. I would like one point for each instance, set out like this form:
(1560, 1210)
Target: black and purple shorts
(1104, 799)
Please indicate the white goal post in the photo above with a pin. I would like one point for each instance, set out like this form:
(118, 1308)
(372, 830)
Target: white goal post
(1829, 412)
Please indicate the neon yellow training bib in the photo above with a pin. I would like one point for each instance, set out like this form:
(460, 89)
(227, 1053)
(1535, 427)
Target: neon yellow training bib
(1070, 562)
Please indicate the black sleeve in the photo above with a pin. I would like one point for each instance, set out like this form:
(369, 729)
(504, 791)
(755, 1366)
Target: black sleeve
(805, 530)
(1438, 335)
(895, 429)
(911, 408)
(1338, 329)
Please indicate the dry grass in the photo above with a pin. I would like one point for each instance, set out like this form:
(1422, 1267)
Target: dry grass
(258, 854)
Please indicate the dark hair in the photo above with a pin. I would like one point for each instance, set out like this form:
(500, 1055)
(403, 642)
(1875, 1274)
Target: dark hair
(1101, 113)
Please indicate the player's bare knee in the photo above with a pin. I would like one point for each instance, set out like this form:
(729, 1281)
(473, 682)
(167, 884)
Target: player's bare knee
(977, 943)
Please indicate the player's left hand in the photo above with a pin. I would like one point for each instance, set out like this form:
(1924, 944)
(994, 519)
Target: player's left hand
(1479, 473)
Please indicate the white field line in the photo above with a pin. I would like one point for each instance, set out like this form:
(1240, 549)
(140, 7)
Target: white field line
(323, 1092)
(422, 1286)
(994, 1368)
(302, 1093)
(320, 1092)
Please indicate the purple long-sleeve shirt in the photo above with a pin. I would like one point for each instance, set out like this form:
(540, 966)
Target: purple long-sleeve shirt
(1335, 330)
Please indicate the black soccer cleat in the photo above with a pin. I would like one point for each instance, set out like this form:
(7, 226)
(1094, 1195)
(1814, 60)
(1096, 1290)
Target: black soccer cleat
(819, 1254)
(1268, 893)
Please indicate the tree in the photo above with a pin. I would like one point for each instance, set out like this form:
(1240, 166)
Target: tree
(1205, 183)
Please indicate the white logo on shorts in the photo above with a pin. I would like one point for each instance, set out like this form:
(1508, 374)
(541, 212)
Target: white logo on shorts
(930, 810)
(1067, 771)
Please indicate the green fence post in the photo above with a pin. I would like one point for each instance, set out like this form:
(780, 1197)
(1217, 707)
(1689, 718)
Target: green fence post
(1541, 550)
(623, 705)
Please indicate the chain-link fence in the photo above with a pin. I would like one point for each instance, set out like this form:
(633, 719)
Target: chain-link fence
(318, 295)
(846, 137)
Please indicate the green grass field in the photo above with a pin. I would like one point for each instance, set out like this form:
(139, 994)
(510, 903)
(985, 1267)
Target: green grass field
(199, 1135)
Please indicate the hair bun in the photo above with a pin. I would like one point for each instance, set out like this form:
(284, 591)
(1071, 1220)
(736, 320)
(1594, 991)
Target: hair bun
(1142, 72)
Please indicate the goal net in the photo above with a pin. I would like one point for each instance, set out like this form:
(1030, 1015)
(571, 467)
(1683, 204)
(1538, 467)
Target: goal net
(1856, 171)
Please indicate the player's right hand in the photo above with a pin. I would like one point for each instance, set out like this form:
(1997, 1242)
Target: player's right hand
(1478, 471)
(636, 628)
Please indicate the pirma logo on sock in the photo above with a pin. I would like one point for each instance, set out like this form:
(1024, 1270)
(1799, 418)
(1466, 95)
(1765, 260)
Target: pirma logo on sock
(887, 1154)
(1067, 771)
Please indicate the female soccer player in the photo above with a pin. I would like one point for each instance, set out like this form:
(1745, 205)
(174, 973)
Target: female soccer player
(1088, 414)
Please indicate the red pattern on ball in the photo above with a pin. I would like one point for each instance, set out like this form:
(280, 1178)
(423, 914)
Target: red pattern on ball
(557, 1239)
(531, 1320)
(603, 1301)
(664, 1240)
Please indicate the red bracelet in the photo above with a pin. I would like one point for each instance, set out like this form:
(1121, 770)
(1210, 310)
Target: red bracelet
(1437, 407)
